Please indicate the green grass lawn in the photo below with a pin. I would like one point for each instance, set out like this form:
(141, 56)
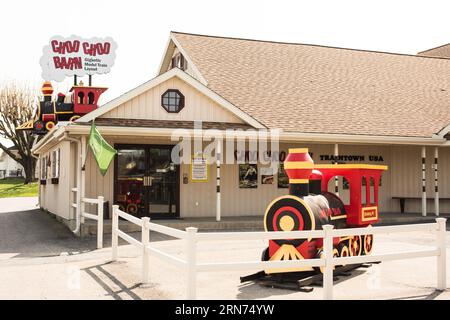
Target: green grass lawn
(14, 187)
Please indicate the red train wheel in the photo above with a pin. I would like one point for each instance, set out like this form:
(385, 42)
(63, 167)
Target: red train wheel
(320, 255)
(343, 250)
(38, 125)
(355, 246)
(368, 244)
(73, 118)
(49, 125)
(132, 208)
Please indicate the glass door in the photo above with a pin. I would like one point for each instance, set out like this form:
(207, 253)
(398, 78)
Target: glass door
(163, 183)
(129, 187)
(147, 181)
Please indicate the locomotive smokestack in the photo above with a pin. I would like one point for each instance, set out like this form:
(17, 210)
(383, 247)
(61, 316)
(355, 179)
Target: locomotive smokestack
(298, 166)
(47, 90)
(315, 182)
(61, 97)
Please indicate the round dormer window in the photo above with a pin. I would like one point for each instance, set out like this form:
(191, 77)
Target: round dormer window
(172, 100)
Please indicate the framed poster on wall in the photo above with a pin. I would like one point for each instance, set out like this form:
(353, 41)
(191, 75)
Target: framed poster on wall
(248, 176)
(267, 179)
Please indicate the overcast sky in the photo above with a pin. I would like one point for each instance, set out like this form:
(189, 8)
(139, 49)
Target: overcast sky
(141, 29)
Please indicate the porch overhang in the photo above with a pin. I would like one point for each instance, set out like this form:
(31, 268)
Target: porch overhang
(158, 128)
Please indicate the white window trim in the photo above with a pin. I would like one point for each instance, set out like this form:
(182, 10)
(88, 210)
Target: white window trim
(55, 163)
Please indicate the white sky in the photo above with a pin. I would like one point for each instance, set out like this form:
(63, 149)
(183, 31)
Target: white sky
(141, 29)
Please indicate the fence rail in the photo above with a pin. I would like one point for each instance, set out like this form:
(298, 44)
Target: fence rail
(98, 217)
(191, 237)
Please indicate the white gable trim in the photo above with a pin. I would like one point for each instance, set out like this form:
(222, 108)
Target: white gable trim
(174, 41)
(175, 72)
(443, 131)
(163, 66)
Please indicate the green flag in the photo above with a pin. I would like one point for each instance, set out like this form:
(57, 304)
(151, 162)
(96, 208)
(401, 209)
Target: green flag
(103, 152)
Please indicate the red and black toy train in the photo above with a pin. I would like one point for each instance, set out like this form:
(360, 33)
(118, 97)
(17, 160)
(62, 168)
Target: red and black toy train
(309, 206)
(80, 101)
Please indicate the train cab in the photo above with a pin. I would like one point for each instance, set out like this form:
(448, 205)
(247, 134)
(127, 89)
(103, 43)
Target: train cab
(363, 180)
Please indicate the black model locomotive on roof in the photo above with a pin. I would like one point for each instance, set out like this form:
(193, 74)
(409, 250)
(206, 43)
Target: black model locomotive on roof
(80, 101)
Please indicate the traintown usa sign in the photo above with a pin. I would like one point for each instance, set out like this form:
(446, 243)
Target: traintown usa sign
(75, 56)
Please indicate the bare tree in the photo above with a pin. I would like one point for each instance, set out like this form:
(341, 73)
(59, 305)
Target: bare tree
(16, 107)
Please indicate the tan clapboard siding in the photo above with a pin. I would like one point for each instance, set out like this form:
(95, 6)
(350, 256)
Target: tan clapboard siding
(148, 106)
(96, 184)
(199, 199)
(407, 170)
(56, 197)
(239, 202)
(407, 177)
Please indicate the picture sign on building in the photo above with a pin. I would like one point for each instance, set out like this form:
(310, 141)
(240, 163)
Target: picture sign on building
(199, 169)
(76, 56)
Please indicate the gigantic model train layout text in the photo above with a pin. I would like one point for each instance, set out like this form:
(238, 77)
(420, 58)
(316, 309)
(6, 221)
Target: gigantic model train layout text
(309, 206)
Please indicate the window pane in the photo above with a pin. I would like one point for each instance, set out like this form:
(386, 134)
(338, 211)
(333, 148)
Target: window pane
(372, 190)
(363, 190)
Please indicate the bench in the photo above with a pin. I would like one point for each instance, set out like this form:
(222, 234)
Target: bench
(402, 201)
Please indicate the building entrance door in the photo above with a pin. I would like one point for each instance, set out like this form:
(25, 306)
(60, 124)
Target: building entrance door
(147, 181)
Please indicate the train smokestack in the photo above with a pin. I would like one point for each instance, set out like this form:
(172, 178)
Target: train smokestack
(298, 166)
(315, 182)
(47, 90)
(61, 97)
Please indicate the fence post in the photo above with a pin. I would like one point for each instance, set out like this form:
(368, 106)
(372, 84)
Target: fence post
(145, 238)
(328, 256)
(191, 250)
(115, 226)
(441, 258)
(99, 222)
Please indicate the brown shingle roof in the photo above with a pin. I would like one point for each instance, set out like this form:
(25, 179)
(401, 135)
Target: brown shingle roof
(148, 123)
(440, 52)
(309, 88)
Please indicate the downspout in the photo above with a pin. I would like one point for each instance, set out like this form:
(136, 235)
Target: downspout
(79, 184)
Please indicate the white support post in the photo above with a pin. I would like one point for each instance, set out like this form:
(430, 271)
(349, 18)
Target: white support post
(336, 179)
(436, 187)
(328, 268)
(115, 237)
(442, 257)
(191, 250)
(424, 181)
(83, 177)
(218, 196)
(145, 238)
(100, 222)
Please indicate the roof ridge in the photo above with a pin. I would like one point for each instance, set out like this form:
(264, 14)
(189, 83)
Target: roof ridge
(314, 45)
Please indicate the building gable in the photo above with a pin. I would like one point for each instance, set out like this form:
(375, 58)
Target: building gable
(174, 48)
(148, 105)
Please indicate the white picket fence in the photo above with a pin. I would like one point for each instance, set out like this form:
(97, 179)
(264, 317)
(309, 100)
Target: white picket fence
(192, 237)
(98, 217)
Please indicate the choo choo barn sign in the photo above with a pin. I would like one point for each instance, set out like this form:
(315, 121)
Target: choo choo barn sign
(75, 56)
